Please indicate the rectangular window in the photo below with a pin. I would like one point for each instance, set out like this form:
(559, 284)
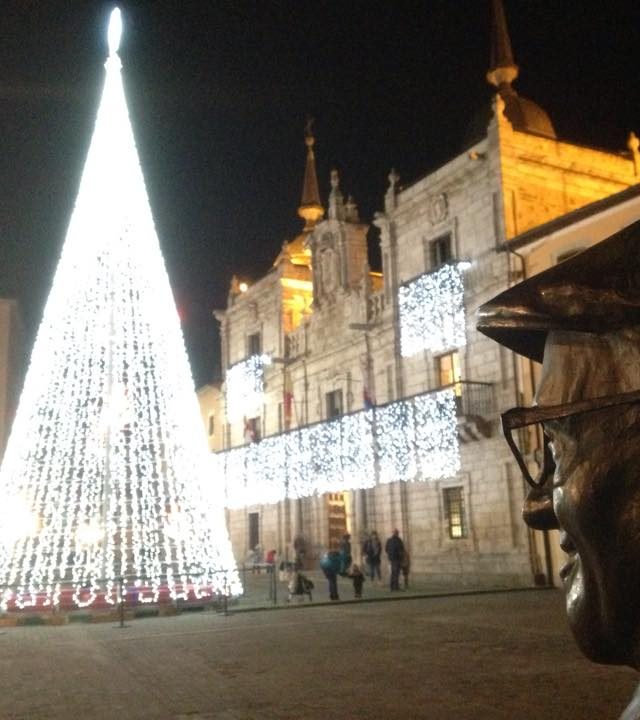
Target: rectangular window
(254, 530)
(334, 404)
(254, 344)
(448, 369)
(212, 426)
(454, 512)
(252, 430)
(440, 251)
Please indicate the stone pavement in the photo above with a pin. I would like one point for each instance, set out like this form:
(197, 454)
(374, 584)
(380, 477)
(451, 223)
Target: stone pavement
(502, 655)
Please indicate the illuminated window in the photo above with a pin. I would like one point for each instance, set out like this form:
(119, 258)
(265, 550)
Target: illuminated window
(334, 403)
(454, 512)
(254, 344)
(440, 251)
(448, 368)
(211, 424)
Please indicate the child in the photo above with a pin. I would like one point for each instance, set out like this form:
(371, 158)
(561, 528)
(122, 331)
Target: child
(358, 580)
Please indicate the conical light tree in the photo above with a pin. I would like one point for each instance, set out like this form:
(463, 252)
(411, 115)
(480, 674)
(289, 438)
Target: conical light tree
(106, 472)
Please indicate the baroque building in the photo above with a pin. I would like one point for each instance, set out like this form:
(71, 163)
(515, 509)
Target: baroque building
(355, 400)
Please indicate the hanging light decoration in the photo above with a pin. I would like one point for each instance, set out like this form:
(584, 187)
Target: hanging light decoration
(106, 468)
(413, 439)
(432, 311)
(244, 383)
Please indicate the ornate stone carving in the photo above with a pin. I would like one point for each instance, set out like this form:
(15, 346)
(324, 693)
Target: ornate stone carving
(438, 208)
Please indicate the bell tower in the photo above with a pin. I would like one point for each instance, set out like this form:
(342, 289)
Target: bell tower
(338, 248)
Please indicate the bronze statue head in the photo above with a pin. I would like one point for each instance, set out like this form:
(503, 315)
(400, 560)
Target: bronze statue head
(581, 319)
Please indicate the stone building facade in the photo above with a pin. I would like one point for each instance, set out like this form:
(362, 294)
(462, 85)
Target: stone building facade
(325, 338)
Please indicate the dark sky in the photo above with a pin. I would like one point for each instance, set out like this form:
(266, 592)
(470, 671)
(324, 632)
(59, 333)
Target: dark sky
(218, 94)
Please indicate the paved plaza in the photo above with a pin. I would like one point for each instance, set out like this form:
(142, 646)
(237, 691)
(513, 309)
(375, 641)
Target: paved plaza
(503, 655)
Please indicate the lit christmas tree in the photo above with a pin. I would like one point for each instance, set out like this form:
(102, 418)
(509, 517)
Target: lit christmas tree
(107, 472)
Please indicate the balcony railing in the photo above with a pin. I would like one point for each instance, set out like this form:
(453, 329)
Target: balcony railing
(475, 407)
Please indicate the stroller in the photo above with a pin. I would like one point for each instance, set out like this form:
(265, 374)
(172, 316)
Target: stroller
(299, 586)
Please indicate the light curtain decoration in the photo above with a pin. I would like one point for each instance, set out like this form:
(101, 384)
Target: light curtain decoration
(107, 471)
(244, 384)
(414, 439)
(432, 311)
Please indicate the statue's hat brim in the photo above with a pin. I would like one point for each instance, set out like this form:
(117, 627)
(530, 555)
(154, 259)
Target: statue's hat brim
(596, 291)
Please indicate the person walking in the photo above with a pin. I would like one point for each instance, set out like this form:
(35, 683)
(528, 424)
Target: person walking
(372, 552)
(394, 547)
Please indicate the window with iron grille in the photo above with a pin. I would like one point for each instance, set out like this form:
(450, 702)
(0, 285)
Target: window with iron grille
(454, 512)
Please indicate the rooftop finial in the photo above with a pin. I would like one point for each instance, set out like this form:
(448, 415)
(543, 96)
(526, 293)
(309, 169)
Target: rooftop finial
(310, 209)
(503, 70)
(115, 31)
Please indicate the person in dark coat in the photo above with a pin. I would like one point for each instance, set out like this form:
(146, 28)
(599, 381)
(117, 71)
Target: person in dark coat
(394, 547)
(331, 565)
(372, 551)
(345, 553)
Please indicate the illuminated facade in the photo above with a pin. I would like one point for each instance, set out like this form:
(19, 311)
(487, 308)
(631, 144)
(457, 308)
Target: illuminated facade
(343, 340)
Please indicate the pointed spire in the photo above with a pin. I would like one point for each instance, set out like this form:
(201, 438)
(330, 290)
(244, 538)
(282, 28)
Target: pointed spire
(503, 70)
(310, 209)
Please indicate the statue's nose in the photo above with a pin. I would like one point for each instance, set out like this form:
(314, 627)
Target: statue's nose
(537, 510)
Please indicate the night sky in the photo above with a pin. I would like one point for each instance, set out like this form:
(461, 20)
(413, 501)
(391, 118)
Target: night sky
(219, 92)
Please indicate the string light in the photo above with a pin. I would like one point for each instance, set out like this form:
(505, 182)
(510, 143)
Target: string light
(412, 439)
(106, 467)
(432, 311)
(244, 383)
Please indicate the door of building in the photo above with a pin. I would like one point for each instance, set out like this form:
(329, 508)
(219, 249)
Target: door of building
(337, 515)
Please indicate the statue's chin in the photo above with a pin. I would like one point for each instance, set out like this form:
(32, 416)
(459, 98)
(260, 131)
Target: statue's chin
(598, 639)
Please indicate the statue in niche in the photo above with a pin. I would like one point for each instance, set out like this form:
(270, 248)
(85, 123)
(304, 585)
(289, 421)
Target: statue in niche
(328, 271)
(581, 319)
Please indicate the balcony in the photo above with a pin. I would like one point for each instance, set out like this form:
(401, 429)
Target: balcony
(475, 407)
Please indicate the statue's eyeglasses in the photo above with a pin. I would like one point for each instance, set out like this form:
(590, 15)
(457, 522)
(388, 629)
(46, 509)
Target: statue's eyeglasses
(519, 417)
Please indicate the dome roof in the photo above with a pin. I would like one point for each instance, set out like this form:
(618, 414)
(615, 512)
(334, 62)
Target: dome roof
(527, 116)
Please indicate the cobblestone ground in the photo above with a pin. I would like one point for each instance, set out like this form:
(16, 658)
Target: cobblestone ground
(504, 655)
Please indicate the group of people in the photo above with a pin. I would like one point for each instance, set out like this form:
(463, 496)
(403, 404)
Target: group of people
(397, 554)
(339, 562)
